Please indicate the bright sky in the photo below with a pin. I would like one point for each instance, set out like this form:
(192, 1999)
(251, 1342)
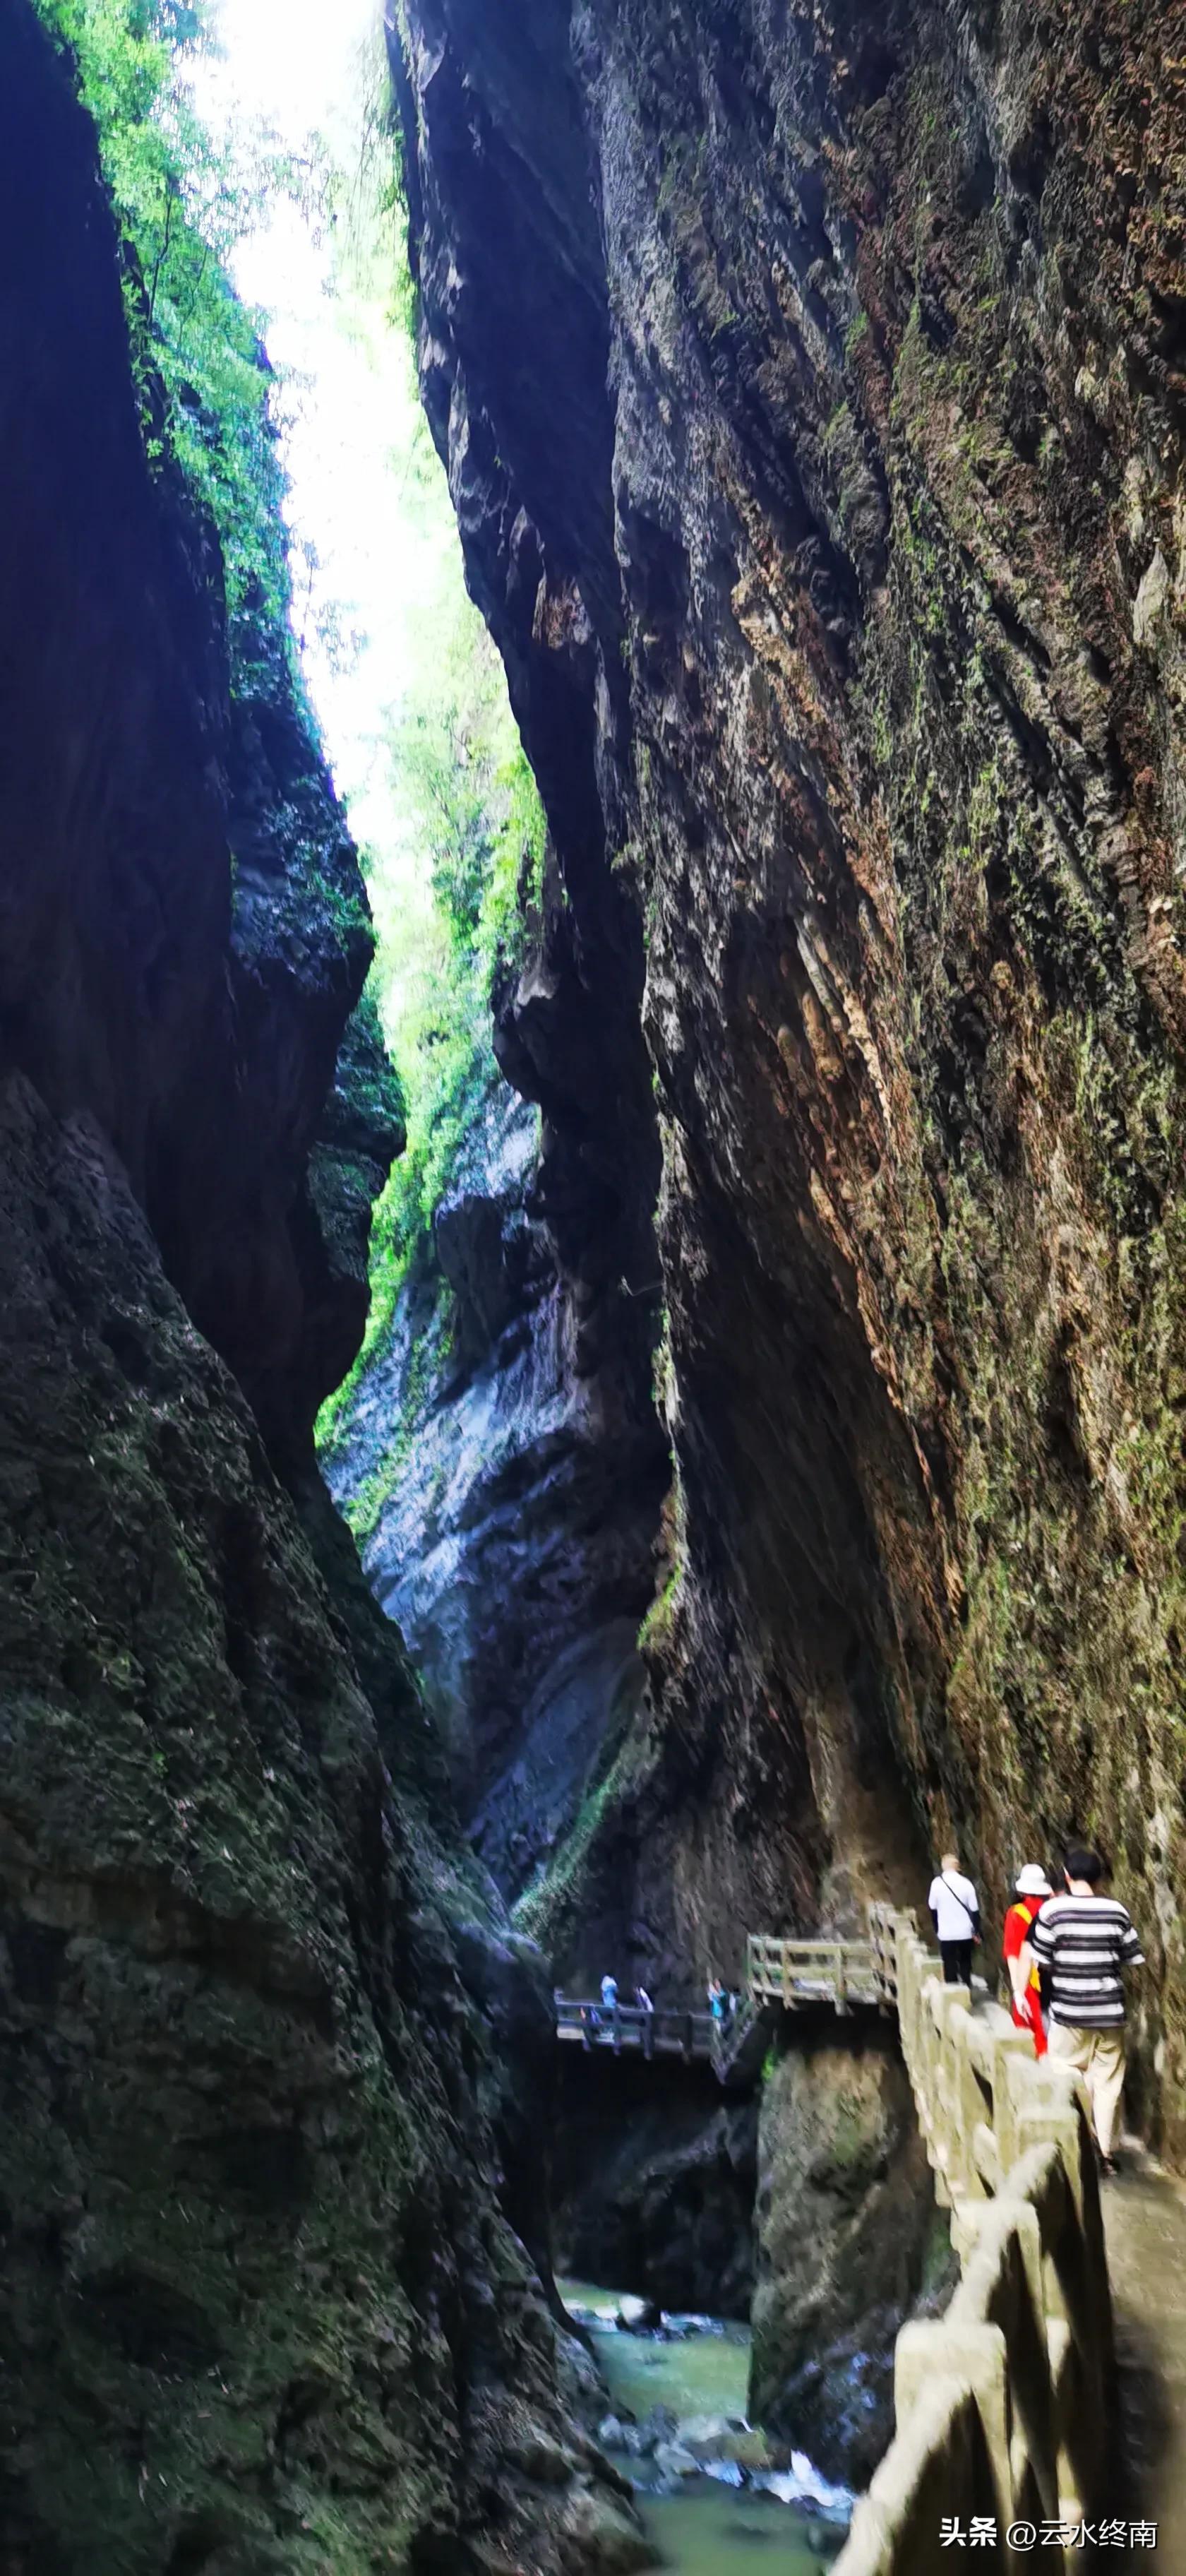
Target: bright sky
(300, 66)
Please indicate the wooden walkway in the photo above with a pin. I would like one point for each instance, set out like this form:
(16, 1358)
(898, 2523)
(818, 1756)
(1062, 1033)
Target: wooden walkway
(783, 1974)
(588, 2024)
(734, 2046)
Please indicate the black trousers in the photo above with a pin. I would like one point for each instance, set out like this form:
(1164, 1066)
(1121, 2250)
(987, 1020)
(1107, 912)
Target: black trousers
(957, 1962)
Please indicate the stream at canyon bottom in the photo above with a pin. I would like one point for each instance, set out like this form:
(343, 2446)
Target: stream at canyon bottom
(681, 2394)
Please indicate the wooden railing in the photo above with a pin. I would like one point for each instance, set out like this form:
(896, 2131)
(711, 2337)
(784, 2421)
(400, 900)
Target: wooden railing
(1002, 2404)
(737, 2039)
(796, 1974)
(626, 2026)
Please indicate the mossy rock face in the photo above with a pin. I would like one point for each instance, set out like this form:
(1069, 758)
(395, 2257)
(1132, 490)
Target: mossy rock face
(253, 2253)
(208, 2164)
(895, 420)
(849, 2244)
(187, 933)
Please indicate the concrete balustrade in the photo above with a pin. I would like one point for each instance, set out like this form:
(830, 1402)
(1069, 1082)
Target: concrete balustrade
(1002, 2404)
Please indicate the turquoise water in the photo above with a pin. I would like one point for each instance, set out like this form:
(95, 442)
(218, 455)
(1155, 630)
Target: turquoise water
(719, 2534)
(793, 2526)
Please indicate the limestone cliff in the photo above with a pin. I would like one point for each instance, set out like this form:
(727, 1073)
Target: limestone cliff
(810, 380)
(518, 1495)
(265, 2297)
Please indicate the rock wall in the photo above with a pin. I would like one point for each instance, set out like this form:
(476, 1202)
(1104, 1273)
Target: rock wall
(849, 2244)
(191, 1000)
(654, 2174)
(263, 2302)
(810, 381)
(518, 1500)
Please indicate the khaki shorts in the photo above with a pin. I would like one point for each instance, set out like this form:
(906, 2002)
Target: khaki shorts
(1098, 2056)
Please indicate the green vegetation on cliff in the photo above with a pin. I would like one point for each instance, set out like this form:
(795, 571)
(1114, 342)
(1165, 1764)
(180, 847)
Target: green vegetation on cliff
(460, 840)
(452, 902)
(469, 806)
(455, 864)
(198, 363)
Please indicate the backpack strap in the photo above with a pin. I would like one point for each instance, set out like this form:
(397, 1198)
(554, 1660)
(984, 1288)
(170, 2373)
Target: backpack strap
(944, 1881)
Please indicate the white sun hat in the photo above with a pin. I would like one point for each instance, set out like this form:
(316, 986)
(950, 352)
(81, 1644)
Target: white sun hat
(1032, 1881)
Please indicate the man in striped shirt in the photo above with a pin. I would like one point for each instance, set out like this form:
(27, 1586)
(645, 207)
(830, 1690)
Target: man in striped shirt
(1085, 1939)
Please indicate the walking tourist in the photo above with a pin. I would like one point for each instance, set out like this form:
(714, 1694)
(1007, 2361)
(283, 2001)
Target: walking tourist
(643, 1999)
(1030, 1894)
(955, 1913)
(609, 1993)
(716, 1999)
(1086, 1939)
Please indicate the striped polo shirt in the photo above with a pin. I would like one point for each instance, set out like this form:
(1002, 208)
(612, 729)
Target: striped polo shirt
(1085, 1941)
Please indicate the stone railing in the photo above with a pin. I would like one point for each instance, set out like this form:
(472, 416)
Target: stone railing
(1003, 2403)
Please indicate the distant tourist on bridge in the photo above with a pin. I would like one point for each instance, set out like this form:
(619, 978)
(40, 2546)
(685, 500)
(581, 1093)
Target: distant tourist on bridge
(955, 1913)
(1085, 1940)
(643, 2000)
(609, 1993)
(1032, 1889)
(716, 1999)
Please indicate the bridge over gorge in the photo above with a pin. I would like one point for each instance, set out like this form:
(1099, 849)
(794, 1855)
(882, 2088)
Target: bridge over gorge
(1005, 2404)
(782, 1975)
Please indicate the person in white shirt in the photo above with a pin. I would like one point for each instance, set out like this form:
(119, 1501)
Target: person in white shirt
(609, 1993)
(955, 1913)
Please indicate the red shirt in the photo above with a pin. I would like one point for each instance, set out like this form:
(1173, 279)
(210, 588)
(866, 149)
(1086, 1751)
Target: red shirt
(1019, 1923)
